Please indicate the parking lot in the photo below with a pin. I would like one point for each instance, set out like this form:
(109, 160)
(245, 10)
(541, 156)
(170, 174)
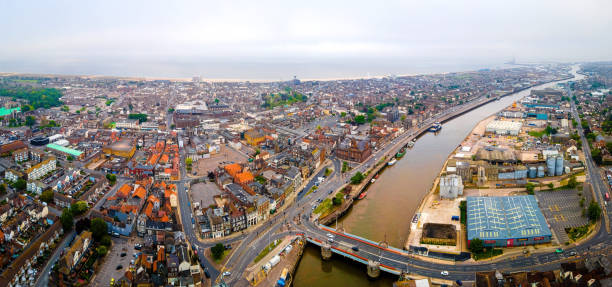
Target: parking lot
(204, 192)
(113, 259)
(227, 155)
(562, 210)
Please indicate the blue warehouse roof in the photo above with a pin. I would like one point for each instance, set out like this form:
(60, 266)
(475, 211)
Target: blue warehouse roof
(507, 217)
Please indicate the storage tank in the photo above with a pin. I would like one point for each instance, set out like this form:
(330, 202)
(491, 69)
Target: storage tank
(533, 172)
(274, 260)
(541, 171)
(550, 166)
(559, 166)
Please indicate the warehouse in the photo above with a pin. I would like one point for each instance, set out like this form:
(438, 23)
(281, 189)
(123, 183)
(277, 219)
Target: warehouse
(506, 221)
(504, 127)
(64, 152)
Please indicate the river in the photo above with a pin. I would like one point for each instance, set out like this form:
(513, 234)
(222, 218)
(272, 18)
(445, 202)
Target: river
(391, 202)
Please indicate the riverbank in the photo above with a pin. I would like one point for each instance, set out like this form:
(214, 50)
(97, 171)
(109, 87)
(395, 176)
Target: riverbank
(285, 258)
(441, 215)
(409, 135)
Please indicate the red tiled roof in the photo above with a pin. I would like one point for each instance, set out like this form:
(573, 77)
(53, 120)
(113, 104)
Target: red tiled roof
(124, 191)
(140, 192)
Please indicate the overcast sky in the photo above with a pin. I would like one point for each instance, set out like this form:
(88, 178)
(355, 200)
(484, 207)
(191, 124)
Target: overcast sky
(232, 39)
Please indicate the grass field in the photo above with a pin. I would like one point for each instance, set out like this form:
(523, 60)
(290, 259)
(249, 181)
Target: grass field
(267, 250)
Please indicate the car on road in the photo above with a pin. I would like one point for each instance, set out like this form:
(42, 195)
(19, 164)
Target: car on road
(559, 250)
(119, 267)
(330, 240)
(573, 253)
(137, 246)
(330, 235)
(355, 248)
(444, 273)
(123, 254)
(227, 273)
(206, 273)
(330, 192)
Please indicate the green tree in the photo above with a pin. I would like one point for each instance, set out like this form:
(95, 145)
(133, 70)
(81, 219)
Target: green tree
(360, 119)
(111, 178)
(550, 185)
(66, 219)
(36, 97)
(30, 121)
(140, 117)
(217, 251)
(106, 240)
(47, 196)
(476, 245)
(572, 183)
(594, 211)
(2, 188)
(357, 178)
(102, 250)
(98, 228)
(530, 187)
(342, 114)
(20, 184)
(82, 224)
(78, 208)
(336, 201)
(69, 158)
(596, 155)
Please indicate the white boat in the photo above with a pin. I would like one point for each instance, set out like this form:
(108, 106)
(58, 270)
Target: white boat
(392, 162)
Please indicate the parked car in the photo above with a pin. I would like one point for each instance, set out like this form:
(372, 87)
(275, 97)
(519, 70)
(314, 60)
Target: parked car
(123, 254)
(559, 250)
(355, 248)
(444, 273)
(119, 267)
(227, 273)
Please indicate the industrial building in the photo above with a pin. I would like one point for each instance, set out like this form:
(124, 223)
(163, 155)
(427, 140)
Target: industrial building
(64, 152)
(506, 221)
(451, 186)
(504, 128)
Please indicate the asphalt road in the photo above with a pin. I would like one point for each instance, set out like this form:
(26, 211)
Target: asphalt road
(256, 240)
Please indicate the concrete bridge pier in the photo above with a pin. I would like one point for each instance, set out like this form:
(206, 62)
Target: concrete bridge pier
(373, 268)
(326, 252)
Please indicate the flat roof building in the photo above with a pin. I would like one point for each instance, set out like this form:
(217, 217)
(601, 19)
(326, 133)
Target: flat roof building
(66, 151)
(123, 148)
(504, 127)
(506, 221)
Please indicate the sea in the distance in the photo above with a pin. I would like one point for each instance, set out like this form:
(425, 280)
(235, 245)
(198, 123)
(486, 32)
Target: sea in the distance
(253, 69)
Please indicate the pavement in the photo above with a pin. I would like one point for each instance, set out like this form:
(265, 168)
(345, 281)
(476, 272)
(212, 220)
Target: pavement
(562, 210)
(113, 259)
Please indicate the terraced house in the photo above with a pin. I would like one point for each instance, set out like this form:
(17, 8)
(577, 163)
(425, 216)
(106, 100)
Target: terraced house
(42, 168)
